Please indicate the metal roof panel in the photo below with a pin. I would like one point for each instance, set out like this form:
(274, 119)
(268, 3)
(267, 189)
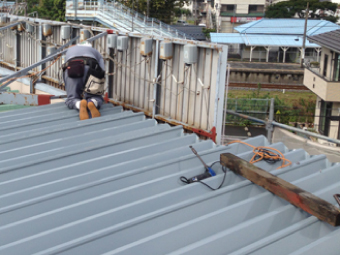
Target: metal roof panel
(261, 40)
(111, 185)
(286, 26)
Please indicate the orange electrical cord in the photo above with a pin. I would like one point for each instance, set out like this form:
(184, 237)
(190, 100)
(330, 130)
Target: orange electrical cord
(266, 153)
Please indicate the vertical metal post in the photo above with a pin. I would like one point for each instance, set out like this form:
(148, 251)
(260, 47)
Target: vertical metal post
(225, 104)
(147, 11)
(32, 85)
(220, 92)
(76, 9)
(269, 125)
(18, 49)
(133, 3)
(111, 70)
(156, 80)
(304, 36)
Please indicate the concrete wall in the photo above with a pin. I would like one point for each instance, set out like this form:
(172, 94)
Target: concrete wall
(268, 76)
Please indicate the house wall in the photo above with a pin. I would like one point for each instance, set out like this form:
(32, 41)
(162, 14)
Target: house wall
(242, 6)
(322, 62)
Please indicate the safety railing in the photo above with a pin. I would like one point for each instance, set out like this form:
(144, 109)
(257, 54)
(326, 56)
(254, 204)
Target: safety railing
(121, 17)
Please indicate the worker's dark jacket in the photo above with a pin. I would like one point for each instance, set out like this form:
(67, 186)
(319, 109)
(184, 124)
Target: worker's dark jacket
(75, 86)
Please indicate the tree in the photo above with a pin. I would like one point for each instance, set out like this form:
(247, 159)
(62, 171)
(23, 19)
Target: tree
(288, 9)
(49, 9)
(163, 10)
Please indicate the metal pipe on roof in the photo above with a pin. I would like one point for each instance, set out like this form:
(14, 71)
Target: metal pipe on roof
(305, 132)
(11, 25)
(49, 58)
(286, 127)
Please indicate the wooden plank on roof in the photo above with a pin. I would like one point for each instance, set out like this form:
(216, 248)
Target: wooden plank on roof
(293, 194)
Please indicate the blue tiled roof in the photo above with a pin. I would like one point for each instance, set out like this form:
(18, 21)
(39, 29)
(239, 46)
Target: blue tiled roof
(260, 40)
(287, 27)
(231, 38)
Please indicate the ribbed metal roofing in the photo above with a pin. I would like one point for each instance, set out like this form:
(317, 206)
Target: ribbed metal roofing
(330, 40)
(287, 26)
(111, 185)
(261, 40)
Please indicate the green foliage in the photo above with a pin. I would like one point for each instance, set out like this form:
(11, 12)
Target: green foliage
(207, 31)
(163, 10)
(178, 12)
(49, 9)
(287, 9)
(255, 104)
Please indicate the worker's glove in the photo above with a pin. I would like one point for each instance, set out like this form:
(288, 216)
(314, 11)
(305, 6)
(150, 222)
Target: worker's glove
(77, 105)
(95, 102)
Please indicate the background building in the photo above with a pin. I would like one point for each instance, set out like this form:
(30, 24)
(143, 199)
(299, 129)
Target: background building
(274, 40)
(233, 13)
(324, 81)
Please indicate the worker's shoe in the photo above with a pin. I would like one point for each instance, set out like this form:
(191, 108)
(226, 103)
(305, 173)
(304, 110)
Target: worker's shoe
(83, 113)
(93, 109)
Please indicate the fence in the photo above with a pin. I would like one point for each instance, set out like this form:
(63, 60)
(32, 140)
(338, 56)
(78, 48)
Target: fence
(169, 90)
(258, 108)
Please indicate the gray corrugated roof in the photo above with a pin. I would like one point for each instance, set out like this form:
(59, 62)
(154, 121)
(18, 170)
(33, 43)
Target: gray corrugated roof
(193, 31)
(329, 40)
(111, 186)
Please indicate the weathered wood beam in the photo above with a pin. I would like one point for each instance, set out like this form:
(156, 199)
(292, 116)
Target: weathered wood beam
(293, 194)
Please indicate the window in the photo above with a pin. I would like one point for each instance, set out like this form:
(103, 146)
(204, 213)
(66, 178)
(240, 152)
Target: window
(229, 8)
(255, 8)
(336, 76)
(324, 120)
(325, 64)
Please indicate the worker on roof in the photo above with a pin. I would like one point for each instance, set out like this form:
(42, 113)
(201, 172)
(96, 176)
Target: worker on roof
(84, 77)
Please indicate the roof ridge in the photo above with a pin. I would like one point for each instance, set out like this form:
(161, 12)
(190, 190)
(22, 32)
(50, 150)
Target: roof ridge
(254, 23)
(318, 24)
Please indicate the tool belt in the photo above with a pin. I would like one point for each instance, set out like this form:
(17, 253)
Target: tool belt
(95, 78)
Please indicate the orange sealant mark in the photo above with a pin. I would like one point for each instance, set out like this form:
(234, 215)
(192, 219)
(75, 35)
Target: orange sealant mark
(211, 134)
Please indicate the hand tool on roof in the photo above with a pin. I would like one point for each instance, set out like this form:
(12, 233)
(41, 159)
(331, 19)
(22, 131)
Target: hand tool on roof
(208, 171)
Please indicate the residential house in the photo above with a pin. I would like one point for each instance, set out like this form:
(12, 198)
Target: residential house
(324, 81)
(275, 40)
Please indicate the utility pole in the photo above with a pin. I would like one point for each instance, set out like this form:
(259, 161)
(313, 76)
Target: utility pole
(133, 14)
(195, 11)
(218, 12)
(304, 36)
(147, 11)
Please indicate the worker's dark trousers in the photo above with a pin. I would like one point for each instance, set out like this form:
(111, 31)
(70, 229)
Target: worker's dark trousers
(74, 90)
